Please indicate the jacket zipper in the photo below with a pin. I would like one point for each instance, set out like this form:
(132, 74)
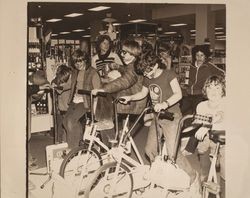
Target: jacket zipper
(196, 75)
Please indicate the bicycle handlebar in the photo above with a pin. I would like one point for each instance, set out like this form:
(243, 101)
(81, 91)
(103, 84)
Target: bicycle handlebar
(88, 92)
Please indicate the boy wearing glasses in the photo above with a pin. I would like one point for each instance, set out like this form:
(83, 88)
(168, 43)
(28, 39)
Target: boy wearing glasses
(165, 92)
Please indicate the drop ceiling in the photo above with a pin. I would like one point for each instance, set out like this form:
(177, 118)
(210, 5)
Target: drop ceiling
(122, 12)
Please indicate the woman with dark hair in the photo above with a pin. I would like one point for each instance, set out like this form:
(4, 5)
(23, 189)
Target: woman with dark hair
(200, 70)
(105, 58)
(83, 77)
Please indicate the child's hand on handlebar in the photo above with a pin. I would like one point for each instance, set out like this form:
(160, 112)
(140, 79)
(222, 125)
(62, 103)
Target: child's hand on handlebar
(125, 99)
(96, 91)
(160, 106)
(201, 133)
(45, 87)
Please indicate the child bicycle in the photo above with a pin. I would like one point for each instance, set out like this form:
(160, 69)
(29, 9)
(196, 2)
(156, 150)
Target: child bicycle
(116, 179)
(82, 161)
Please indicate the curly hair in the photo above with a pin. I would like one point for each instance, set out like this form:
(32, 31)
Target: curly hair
(217, 80)
(147, 61)
(202, 48)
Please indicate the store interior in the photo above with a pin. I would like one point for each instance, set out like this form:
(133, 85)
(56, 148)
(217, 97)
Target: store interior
(56, 29)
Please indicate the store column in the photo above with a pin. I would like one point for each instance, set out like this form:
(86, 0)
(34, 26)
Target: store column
(204, 24)
(186, 35)
(95, 27)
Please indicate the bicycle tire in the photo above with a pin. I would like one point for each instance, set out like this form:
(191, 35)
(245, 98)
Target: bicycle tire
(99, 173)
(75, 153)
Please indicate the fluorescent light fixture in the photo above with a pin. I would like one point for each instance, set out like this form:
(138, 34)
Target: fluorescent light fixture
(192, 30)
(220, 36)
(64, 32)
(73, 15)
(193, 34)
(151, 34)
(219, 33)
(115, 24)
(54, 34)
(221, 39)
(99, 8)
(219, 28)
(86, 36)
(178, 24)
(170, 32)
(137, 20)
(78, 30)
(53, 20)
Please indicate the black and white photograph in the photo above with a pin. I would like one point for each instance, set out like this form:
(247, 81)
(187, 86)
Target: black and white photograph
(125, 99)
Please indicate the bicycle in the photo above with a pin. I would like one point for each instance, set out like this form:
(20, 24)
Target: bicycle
(82, 161)
(211, 185)
(116, 179)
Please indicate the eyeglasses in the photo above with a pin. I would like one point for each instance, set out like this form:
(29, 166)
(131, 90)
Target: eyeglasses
(124, 52)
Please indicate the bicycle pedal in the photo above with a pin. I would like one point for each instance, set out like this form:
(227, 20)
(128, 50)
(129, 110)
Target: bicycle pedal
(212, 187)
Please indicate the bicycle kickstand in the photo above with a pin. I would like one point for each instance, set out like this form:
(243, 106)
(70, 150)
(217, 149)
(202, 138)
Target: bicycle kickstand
(46, 181)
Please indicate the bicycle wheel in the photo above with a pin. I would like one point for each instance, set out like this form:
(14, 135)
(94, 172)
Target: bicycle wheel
(101, 183)
(80, 162)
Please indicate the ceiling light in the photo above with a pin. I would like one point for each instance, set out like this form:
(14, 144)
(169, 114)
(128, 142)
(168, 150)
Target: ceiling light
(219, 32)
(220, 36)
(86, 36)
(221, 39)
(78, 30)
(137, 20)
(99, 8)
(151, 34)
(192, 30)
(64, 32)
(219, 28)
(54, 34)
(115, 24)
(178, 24)
(88, 28)
(53, 20)
(193, 34)
(170, 32)
(73, 15)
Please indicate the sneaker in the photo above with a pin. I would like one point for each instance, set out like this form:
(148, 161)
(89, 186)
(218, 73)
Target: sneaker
(32, 160)
(31, 186)
(32, 166)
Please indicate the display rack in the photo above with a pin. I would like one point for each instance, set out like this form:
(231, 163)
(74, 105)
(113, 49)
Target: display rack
(183, 70)
(219, 58)
(41, 118)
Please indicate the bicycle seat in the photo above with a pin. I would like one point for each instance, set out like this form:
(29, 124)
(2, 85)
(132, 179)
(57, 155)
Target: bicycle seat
(217, 136)
(104, 125)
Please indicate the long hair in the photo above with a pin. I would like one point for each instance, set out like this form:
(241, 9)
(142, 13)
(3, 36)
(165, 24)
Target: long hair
(79, 56)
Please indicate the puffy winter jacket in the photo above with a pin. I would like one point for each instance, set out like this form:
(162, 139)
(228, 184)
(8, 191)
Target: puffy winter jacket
(128, 84)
